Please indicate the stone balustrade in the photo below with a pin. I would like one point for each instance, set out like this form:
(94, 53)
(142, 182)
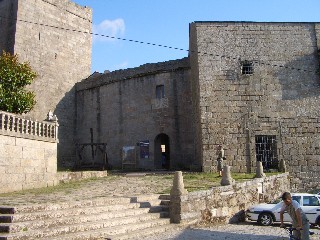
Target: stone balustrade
(17, 125)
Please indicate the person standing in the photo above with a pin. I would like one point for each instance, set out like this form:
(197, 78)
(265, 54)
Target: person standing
(299, 218)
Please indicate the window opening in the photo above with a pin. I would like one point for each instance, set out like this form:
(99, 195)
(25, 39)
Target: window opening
(297, 198)
(163, 148)
(246, 68)
(160, 91)
(310, 201)
(266, 151)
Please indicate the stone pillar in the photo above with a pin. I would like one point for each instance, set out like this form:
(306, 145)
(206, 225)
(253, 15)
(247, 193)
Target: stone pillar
(175, 197)
(282, 165)
(259, 170)
(226, 176)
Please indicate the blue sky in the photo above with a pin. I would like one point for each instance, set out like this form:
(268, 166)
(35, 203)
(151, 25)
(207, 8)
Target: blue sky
(166, 22)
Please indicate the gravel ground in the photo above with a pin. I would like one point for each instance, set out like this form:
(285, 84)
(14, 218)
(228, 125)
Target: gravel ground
(243, 231)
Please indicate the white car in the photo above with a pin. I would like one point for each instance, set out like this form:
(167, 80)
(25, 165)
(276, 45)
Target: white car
(267, 213)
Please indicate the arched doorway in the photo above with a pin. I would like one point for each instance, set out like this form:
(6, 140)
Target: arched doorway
(162, 152)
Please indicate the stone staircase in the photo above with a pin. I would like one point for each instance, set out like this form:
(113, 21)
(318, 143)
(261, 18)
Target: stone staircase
(101, 218)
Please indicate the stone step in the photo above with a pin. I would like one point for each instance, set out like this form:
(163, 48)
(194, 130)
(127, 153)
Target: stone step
(164, 197)
(145, 233)
(118, 232)
(30, 208)
(22, 217)
(116, 226)
(83, 218)
(100, 217)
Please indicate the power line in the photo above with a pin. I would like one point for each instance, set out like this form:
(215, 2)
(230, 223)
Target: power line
(158, 45)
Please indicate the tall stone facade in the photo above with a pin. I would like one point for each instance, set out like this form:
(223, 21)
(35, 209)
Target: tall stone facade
(251, 87)
(140, 109)
(256, 91)
(40, 31)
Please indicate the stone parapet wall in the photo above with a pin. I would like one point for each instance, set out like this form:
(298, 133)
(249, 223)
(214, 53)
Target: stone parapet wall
(65, 177)
(227, 204)
(100, 79)
(26, 163)
(19, 126)
(28, 153)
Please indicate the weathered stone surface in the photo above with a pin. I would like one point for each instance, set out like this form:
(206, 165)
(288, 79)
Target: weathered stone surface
(228, 203)
(61, 57)
(278, 99)
(226, 176)
(25, 165)
(259, 170)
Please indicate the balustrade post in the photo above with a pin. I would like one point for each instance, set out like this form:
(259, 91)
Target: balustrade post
(56, 125)
(20, 125)
(14, 124)
(2, 121)
(10, 123)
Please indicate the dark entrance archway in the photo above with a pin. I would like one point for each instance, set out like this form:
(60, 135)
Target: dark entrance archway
(162, 152)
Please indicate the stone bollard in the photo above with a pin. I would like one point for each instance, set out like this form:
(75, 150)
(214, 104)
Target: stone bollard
(282, 165)
(178, 185)
(175, 197)
(226, 176)
(259, 170)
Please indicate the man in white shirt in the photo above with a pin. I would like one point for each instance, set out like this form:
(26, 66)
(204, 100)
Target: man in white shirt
(299, 219)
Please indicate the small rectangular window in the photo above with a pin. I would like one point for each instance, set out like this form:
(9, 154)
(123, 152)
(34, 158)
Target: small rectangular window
(160, 91)
(247, 68)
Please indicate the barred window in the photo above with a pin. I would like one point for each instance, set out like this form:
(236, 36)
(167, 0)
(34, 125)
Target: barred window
(247, 67)
(266, 151)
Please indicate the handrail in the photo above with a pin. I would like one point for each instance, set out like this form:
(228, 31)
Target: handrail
(17, 125)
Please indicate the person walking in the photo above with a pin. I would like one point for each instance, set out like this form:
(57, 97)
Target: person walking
(299, 218)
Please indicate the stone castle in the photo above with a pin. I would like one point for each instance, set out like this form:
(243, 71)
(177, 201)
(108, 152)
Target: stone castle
(251, 87)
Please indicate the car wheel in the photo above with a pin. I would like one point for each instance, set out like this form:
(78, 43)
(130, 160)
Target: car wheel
(265, 219)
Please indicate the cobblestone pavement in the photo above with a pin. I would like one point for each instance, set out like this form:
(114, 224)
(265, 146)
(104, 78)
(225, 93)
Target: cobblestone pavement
(139, 184)
(112, 186)
(241, 231)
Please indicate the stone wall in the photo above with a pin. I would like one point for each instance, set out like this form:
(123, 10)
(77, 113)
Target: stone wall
(227, 204)
(28, 153)
(61, 57)
(280, 97)
(8, 13)
(122, 109)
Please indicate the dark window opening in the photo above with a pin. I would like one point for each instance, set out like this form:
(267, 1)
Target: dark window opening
(246, 68)
(160, 91)
(266, 151)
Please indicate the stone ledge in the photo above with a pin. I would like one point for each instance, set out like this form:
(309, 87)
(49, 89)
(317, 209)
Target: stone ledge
(65, 177)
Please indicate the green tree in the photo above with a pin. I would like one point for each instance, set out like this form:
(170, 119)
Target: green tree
(14, 77)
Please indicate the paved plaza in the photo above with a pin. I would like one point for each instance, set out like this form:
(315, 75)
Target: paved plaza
(141, 184)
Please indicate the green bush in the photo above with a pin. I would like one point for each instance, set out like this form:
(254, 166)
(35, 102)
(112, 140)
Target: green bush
(14, 77)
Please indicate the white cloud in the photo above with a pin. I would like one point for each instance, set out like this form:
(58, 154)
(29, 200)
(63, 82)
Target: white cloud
(112, 28)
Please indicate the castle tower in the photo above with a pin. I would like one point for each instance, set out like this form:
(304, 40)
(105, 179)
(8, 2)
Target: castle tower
(40, 31)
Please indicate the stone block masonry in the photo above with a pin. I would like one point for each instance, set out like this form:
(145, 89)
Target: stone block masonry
(279, 97)
(227, 204)
(36, 30)
(122, 109)
(28, 153)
